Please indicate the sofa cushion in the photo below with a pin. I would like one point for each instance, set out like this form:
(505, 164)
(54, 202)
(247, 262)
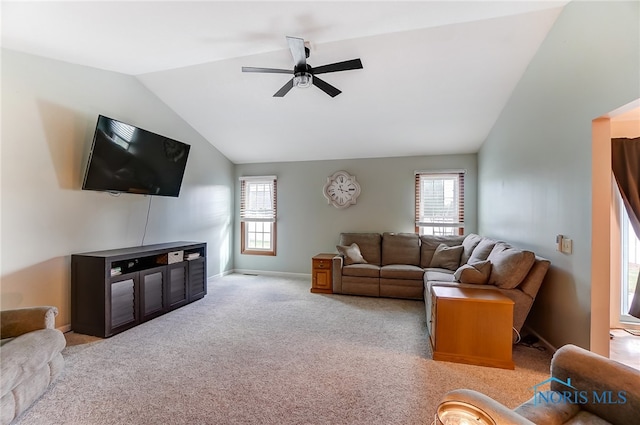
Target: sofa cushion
(509, 266)
(429, 243)
(369, 244)
(482, 250)
(469, 243)
(447, 257)
(361, 270)
(476, 273)
(400, 248)
(438, 275)
(401, 271)
(351, 254)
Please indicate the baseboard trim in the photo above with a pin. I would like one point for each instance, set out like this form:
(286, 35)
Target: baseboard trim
(64, 329)
(224, 273)
(272, 273)
(543, 341)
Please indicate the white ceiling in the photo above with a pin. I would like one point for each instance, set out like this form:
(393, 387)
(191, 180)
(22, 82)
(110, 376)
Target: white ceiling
(436, 74)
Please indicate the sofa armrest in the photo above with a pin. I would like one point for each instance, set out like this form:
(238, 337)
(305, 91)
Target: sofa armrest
(610, 389)
(19, 321)
(337, 274)
(501, 414)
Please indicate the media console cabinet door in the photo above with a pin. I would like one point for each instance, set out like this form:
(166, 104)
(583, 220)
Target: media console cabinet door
(152, 298)
(177, 284)
(197, 278)
(473, 326)
(123, 313)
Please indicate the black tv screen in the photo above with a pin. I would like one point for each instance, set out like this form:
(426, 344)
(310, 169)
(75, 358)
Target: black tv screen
(129, 159)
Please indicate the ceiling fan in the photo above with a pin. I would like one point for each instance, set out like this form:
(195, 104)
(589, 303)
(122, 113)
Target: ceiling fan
(303, 74)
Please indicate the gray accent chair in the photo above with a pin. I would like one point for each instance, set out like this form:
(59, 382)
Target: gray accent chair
(586, 388)
(30, 357)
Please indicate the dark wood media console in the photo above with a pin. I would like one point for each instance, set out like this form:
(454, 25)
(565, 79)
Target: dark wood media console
(117, 289)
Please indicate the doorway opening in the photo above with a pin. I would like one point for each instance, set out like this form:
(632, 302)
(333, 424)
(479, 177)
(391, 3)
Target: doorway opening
(615, 247)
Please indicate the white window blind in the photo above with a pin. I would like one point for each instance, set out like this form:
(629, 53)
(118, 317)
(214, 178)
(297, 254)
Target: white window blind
(258, 200)
(439, 202)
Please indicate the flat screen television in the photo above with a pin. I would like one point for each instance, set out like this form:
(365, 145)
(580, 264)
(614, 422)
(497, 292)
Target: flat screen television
(128, 159)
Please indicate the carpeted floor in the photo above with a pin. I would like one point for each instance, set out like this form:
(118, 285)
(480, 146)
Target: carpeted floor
(264, 350)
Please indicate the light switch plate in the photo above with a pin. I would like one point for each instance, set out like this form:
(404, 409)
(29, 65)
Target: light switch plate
(567, 245)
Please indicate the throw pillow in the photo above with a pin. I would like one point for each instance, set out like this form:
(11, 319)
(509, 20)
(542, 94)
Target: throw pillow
(509, 266)
(351, 254)
(446, 257)
(476, 273)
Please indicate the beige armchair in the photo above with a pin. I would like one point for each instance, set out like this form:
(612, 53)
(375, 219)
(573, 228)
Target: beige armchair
(585, 389)
(30, 357)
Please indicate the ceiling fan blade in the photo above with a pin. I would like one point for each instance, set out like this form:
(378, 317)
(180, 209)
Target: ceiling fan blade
(296, 45)
(285, 89)
(338, 66)
(326, 87)
(267, 70)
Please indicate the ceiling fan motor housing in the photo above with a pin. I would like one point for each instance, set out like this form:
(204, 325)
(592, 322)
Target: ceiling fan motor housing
(302, 76)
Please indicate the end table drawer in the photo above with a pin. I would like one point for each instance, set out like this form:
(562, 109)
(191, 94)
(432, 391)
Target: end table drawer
(321, 264)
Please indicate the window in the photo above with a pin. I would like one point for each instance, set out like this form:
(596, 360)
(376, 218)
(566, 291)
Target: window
(440, 203)
(258, 214)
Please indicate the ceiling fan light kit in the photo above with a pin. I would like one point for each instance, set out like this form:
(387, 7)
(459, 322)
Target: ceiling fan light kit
(302, 80)
(303, 74)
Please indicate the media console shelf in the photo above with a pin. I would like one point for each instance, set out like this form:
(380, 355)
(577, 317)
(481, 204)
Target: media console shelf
(117, 289)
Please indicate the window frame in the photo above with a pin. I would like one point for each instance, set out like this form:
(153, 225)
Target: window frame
(458, 193)
(268, 215)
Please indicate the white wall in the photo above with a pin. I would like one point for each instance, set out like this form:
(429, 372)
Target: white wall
(535, 166)
(49, 113)
(308, 225)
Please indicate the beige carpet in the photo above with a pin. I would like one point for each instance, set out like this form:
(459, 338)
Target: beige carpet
(264, 350)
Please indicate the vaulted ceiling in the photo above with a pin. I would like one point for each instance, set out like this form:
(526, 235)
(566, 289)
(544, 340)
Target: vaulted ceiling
(435, 77)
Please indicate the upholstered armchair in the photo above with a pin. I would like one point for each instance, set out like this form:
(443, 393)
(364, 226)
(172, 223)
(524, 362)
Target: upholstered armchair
(585, 389)
(30, 357)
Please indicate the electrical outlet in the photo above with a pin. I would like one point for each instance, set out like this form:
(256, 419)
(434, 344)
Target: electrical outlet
(567, 245)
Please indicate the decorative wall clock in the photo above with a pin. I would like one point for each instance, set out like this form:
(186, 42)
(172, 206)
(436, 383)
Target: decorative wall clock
(341, 189)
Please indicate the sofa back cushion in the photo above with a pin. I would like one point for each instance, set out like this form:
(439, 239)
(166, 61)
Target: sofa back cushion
(469, 243)
(369, 244)
(509, 266)
(400, 248)
(532, 282)
(482, 250)
(429, 244)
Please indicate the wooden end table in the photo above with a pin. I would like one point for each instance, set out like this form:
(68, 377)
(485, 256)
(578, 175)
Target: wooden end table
(471, 326)
(321, 273)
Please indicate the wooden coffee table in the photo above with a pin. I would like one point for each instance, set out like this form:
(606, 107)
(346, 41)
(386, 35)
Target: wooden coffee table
(472, 326)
